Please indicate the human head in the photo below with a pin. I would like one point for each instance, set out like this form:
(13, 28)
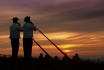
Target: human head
(76, 55)
(41, 54)
(27, 19)
(15, 20)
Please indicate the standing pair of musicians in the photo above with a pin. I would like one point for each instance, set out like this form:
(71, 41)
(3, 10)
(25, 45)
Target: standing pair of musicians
(27, 30)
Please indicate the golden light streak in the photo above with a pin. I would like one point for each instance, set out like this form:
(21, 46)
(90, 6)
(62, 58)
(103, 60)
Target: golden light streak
(58, 36)
(66, 51)
(70, 45)
(4, 36)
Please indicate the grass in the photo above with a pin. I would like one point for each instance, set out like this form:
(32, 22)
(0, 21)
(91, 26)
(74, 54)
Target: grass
(6, 63)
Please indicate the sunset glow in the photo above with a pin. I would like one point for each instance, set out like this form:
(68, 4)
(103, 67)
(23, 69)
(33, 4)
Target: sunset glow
(67, 51)
(68, 45)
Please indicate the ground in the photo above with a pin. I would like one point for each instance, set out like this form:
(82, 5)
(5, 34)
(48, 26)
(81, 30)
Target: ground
(36, 64)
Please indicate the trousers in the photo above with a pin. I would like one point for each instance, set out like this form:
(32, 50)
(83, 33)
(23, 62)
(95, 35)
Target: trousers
(27, 47)
(15, 47)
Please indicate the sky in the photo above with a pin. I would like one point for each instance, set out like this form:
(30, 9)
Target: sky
(75, 26)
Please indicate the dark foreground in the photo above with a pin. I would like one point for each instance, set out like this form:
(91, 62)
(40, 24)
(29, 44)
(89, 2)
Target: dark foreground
(36, 64)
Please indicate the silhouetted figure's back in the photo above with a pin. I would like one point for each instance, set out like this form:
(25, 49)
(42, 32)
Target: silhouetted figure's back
(76, 57)
(66, 57)
(98, 60)
(41, 56)
(56, 58)
(46, 57)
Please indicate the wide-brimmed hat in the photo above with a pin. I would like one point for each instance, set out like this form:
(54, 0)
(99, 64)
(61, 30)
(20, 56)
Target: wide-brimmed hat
(15, 18)
(27, 18)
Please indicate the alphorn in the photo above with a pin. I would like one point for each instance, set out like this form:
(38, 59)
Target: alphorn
(43, 49)
(53, 44)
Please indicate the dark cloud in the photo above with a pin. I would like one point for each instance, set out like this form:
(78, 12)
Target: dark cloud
(61, 25)
(64, 17)
(97, 13)
(87, 48)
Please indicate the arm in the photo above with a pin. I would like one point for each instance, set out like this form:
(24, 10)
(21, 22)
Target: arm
(31, 23)
(33, 27)
(19, 24)
(20, 28)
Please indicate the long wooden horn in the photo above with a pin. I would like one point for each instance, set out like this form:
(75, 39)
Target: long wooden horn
(43, 49)
(53, 44)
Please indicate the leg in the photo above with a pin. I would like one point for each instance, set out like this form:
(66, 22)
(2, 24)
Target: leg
(27, 46)
(15, 47)
(30, 43)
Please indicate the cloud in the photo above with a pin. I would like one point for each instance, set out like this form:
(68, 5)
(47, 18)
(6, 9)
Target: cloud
(97, 13)
(87, 48)
(84, 39)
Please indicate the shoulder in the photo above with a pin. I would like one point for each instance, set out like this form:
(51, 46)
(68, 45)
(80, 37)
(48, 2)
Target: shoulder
(24, 24)
(29, 24)
(17, 26)
(12, 25)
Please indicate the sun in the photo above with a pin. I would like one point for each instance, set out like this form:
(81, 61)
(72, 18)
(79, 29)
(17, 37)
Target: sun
(66, 51)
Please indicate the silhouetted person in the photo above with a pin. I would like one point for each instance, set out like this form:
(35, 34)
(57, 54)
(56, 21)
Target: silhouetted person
(4, 56)
(27, 37)
(46, 57)
(66, 57)
(14, 36)
(76, 57)
(98, 60)
(41, 56)
(56, 58)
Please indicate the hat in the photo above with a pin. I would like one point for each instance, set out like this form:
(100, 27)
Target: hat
(15, 18)
(27, 18)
